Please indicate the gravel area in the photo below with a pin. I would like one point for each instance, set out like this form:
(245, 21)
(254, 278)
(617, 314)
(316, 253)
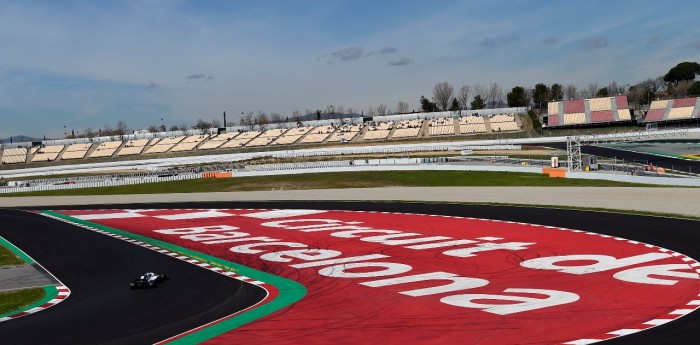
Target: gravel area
(21, 277)
(681, 201)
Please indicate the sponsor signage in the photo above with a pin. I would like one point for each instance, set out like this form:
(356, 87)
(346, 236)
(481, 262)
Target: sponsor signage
(432, 279)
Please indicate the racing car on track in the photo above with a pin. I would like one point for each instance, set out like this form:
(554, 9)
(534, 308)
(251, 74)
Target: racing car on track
(148, 280)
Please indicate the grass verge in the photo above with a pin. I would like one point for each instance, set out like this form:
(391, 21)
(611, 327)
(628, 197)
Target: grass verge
(16, 299)
(366, 179)
(8, 258)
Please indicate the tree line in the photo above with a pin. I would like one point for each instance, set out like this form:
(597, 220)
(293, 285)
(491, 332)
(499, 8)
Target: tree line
(680, 81)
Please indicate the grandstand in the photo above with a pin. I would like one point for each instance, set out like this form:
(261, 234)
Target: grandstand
(217, 141)
(164, 145)
(189, 143)
(266, 137)
(346, 132)
(579, 112)
(76, 151)
(318, 134)
(132, 147)
(241, 139)
(408, 128)
(673, 110)
(441, 126)
(384, 128)
(472, 124)
(378, 130)
(502, 123)
(48, 153)
(13, 156)
(291, 136)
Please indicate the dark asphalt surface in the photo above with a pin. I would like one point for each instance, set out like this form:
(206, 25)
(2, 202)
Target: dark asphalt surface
(676, 234)
(642, 158)
(102, 309)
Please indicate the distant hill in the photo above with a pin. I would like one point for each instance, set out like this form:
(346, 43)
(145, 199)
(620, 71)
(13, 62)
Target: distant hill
(18, 139)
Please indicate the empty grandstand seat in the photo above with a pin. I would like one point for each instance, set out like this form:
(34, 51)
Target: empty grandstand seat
(680, 113)
(553, 120)
(684, 102)
(658, 104)
(624, 115)
(105, 149)
(621, 102)
(472, 128)
(318, 134)
(553, 108)
(599, 104)
(574, 119)
(14, 155)
(655, 115)
(574, 106)
(235, 143)
(217, 141)
(602, 116)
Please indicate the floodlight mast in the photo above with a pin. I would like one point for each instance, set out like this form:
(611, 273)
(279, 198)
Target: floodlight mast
(573, 144)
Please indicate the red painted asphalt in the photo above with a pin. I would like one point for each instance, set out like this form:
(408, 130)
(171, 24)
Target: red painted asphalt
(501, 282)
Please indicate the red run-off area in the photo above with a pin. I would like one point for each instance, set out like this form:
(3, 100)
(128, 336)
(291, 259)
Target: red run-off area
(404, 278)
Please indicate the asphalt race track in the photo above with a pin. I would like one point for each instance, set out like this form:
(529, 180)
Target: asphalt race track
(660, 161)
(102, 309)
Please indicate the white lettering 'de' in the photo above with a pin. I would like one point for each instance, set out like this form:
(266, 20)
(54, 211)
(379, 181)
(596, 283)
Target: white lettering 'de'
(642, 274)
(554, 297)
(602, 262)
(484, 247)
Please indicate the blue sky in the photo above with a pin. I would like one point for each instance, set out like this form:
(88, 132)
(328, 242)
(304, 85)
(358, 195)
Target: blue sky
(86, 64)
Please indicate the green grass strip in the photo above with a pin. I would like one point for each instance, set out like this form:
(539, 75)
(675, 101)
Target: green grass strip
(19, 256)
(30, 298)
(355, 179)
(289, 291)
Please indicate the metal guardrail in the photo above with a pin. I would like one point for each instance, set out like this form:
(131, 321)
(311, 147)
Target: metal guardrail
(633, 168)
(125, 181)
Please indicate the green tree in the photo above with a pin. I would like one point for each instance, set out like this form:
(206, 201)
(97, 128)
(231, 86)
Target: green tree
(540, 95)
(201, 124)
(517, 97)
(442, 93)
(682, 71)
(556, 92)
(455, 105)
(603, 92)
(694, 90)
(478, 103)
(427, 105)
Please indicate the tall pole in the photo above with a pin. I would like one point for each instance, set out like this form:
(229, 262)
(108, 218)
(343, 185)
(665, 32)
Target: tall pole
(224, 119)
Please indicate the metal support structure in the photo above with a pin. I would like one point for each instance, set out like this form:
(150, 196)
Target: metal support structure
(573, 153)
(573, 144)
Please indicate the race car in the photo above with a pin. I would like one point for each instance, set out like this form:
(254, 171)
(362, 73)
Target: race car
(148, 280)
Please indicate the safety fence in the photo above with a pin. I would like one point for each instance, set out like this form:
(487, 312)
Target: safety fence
(395, 150)
(33, 186)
